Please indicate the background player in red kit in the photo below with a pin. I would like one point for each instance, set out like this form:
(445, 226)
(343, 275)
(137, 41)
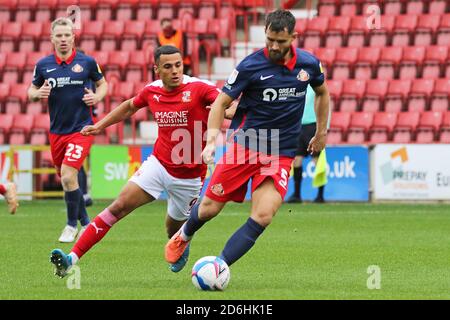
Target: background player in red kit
(179, 105)
(65, 78)
(273, 84)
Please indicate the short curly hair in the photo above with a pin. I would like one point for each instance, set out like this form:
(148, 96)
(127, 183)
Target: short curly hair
(279, 20)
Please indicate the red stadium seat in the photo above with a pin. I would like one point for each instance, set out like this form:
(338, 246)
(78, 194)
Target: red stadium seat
(357, 32)
(101, 57)
(443, 33)
(381, 37)
(335, 89)
(360, 124)
(31, 31)
(406, 125)
(132, 35)
(374, 96)
(437, 7)
(25, 9)
(2, 59)
(38, 138)
(17, 138)
(124, 90)
(34, 108)
(429, 124)
(411, 61)
(384, 121)
(420, 94)
(111, 34)
(41, 123)
(15, 63)
(125, 9)
(44, 10)
(300, 26)
(367, 60)
(315, 31)
(403, 28)
(326, 57)
(136, 67)
(425, 30)
(352, 92)
(91, 35)
(6, 122)
(435, 57)
(444, 136)
(18, 92)
(339, 124)
(393, 7)
(343, 64)
(327, 8)
(349, 8)
(446, 120)
(382, 127)
(105, 9)
(22, 123)
(415, 7)
(118, 61)
(4, 92)
(388, 63)
(337, 30)
(439, 97)
(10, 35)
(398, 91)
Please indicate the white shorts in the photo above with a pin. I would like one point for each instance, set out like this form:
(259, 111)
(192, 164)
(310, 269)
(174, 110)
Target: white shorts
(182, 194)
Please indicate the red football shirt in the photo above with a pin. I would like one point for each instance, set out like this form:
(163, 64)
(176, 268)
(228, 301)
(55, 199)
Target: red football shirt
(182, 116)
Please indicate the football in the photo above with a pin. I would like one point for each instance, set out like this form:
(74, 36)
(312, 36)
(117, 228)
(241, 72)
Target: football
(210, 273)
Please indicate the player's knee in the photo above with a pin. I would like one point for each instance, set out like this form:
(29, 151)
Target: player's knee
(209, 209)
(68, 182)
(263, 218)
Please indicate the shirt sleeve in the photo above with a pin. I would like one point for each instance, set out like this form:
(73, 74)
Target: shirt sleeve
(141, 100)
(38, 78)
(238, 81)
(317, 76)
(95, 73)
(210, 93)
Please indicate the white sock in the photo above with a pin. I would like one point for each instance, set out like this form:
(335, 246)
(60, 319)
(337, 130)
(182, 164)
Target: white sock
(74, 258)
(183, 235)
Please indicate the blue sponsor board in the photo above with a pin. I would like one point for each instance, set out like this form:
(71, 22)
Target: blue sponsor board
(347, 172)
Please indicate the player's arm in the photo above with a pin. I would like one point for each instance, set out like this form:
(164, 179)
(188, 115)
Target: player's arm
(231, 110)
(322, 109)
(36, 93)
(91, 98)
(215, 119)
(125, 110)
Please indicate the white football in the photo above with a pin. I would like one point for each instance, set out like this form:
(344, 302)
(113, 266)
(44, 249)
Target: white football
(210, 273)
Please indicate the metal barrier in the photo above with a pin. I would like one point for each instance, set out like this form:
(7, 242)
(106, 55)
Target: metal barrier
(13, 170)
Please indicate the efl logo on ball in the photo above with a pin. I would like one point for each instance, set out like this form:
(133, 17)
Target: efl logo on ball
(210, 273)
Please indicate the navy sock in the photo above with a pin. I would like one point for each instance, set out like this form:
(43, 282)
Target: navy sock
(193, 223)
(72, 199)
(241, 241)
(82, 213)
(82, 180)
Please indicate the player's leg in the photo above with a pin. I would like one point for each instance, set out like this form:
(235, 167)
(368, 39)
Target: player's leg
(298, 176)
(207, 209)
(8, 190)
(73, 198)
(130, 198)
(82, 181)
(266, 200)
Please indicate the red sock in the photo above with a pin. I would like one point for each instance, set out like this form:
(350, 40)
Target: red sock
(2, 189)
(96, 230)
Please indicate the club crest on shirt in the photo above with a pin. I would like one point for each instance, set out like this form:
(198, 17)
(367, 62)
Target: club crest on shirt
(217, 189)
(77, 68)
(303, 75)
(186, 96)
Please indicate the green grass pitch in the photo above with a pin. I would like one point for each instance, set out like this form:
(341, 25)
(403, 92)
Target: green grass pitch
(308, 252)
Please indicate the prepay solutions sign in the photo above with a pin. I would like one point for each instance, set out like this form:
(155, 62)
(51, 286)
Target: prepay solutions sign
(411, 172)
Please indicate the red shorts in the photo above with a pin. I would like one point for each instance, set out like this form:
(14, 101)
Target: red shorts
(70, 149)
(230, 178)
